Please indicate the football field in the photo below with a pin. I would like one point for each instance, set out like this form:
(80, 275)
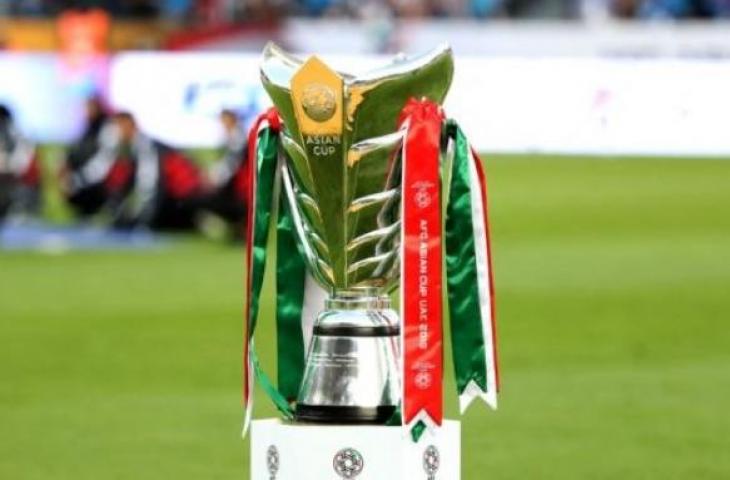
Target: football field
(613, 296)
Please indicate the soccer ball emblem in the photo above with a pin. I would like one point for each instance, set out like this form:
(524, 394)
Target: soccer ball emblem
(348, 463)
(319, 102)
(423, 380)
(423, 194)
(431, 461)
(272, 461)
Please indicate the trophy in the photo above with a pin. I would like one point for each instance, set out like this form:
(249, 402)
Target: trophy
(370, 188)
(340, 139)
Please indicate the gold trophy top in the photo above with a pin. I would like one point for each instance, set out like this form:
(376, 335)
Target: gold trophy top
(342, 174)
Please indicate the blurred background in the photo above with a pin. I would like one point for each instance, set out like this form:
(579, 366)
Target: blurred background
(603, 125)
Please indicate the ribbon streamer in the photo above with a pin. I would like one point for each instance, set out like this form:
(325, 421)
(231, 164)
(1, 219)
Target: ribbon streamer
(469, 276)
(428, 173)
(263, 159)
(421, 267)
(296, 292)
(291, 275)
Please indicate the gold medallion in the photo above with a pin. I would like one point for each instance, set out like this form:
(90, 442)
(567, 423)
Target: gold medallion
(318, 102)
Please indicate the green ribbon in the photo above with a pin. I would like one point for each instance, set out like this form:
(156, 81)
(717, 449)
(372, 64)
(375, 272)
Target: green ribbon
(290, 276)
(468, 347)
(266, 164)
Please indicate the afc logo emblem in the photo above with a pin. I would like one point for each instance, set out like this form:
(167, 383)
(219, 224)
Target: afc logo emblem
(423, 196)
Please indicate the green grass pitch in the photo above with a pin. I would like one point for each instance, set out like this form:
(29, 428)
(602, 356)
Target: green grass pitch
(613, 283)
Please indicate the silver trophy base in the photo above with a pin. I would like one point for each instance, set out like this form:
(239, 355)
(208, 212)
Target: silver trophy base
(352, 374)
(344, 415)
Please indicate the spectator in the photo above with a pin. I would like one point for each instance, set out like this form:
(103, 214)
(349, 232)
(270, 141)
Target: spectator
(229, 177)
(678, 9)
(87, 198)
(19, 170)
(176, 9)
(145, 183)
(143, 9)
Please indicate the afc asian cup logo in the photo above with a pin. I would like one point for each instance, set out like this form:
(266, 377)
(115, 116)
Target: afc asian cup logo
(423, 380)
(319, 102)
(423, 196)
(272, 461)
(348, 463)
(431, 461)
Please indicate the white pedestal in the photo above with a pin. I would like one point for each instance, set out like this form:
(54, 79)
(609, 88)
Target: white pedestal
(281, 451)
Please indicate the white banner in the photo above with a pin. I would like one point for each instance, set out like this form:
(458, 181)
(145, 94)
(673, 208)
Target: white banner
(594, 106)
(515, 105)
(177, 97)
(46, 93)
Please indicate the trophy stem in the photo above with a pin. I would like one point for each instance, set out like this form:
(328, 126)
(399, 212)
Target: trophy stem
(351, 376)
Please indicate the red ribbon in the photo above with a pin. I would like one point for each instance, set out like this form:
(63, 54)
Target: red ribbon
(493, 307)
(421, 281)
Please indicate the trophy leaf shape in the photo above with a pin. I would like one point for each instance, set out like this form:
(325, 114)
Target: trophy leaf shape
(342, 174)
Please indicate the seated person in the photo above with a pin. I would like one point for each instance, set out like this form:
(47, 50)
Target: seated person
(145, 183)
(20, 179)
(229, 176)
(87, 199)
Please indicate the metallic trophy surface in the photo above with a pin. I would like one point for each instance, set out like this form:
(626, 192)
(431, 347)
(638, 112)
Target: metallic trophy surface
(342, 182)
